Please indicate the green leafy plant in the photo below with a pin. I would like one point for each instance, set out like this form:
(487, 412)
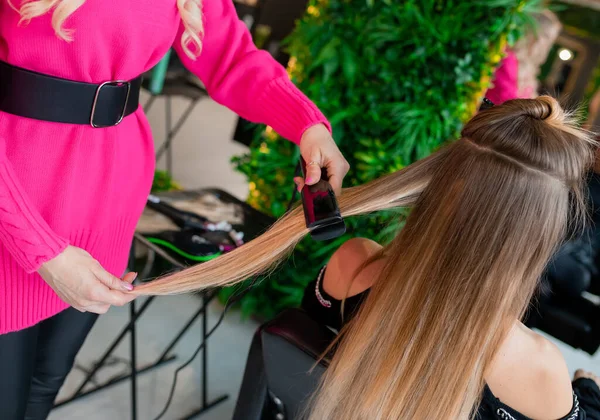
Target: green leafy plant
(397, 80)
(163, 182)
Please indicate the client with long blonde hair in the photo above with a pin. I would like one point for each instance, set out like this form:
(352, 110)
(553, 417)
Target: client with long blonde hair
(439, 328)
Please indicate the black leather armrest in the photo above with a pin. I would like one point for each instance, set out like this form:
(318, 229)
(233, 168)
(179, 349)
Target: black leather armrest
(292, 344)
(299, 329)
(253, 392)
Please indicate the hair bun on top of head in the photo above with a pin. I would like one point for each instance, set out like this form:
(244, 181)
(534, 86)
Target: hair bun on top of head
(536, 132)
(539, 108)
(542, 108)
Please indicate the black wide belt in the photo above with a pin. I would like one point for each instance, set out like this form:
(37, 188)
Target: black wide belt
(34, 95)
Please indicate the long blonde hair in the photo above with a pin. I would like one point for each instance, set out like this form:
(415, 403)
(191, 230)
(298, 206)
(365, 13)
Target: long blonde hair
(190, 11)
(488, 211)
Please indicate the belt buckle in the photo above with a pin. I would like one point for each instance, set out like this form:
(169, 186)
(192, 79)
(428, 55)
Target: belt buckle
(115, 83)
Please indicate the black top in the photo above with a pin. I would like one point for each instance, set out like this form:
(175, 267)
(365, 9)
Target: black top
(328, 310)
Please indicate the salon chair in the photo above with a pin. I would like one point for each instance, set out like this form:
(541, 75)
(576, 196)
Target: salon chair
(574, 320)
(568, 303)
(282, 370)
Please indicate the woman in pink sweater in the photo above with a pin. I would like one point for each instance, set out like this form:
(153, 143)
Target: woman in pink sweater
(517, 74)
(71, 193)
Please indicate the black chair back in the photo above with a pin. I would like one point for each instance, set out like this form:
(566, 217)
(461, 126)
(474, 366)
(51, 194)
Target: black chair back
(281, 371)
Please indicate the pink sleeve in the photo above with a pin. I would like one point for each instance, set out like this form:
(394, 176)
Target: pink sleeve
(506, 82)
(23, 231)
(247, 80)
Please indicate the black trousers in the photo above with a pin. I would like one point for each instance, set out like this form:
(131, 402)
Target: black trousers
(35, 362)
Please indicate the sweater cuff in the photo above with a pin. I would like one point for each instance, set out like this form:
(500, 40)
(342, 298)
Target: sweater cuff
(289, 112)
(23, 231)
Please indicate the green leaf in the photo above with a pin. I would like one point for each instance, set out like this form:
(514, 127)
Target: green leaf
(338, 117)
(329, 68)
(327, 54)
(349, 64)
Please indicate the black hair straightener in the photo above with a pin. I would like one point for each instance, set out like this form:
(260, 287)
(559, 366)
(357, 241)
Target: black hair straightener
(321, 211)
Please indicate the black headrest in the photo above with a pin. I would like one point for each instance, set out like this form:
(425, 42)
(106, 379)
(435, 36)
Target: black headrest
(292, 344)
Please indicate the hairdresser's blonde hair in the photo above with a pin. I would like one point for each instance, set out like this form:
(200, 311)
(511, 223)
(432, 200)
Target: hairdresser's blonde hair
(488, 211)
(190, 11)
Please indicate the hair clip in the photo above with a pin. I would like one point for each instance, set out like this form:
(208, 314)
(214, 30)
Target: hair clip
(487, 104)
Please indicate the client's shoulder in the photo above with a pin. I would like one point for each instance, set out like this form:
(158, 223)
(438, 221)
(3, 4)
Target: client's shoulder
(343, 268)
(356, 250)
(530, 375)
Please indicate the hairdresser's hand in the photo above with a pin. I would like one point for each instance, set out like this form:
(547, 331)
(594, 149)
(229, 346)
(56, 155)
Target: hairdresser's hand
(580, 373)
(79, 280)
(320, 151)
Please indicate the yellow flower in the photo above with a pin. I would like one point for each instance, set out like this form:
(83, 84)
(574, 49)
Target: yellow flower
(270, 134)
(313, 11)
(264, 148)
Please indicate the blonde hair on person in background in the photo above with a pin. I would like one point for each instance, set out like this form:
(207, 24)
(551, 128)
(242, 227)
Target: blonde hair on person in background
(532, 52)
(487, 213)
(190, 11)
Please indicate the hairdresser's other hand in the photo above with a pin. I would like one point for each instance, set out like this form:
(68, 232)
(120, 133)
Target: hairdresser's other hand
(79, 280)
(580, 373)
(320, 151)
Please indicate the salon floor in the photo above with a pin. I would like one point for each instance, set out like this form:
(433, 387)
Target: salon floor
(201, 154)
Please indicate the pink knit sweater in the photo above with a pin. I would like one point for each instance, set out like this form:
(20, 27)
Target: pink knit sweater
(505, 85)
(70, 184)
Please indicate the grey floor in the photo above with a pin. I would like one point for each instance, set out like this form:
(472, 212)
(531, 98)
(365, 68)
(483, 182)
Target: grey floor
(227, 352)
(201, 153)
